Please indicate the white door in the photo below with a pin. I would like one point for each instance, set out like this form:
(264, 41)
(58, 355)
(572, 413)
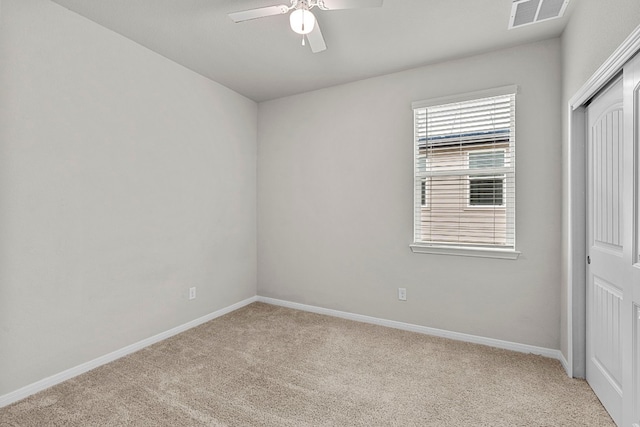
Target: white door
(631, 302)
(606, 247)
(613, 236)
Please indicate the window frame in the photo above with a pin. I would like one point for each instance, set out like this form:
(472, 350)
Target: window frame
(503, 184)
(425, 186)
(488, 251)
(470, 177)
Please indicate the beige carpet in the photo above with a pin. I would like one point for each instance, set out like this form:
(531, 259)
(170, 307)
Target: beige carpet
(270, 366)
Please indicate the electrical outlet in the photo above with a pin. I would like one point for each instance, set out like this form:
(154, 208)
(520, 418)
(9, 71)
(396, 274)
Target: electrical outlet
(192, 293)
(402, 294)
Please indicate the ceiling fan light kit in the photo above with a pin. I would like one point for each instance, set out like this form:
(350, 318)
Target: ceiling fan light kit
(302, 20)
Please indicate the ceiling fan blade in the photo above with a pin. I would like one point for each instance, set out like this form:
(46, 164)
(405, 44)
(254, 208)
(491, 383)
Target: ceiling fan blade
(261, 12)
(315, 39)
(348, 4)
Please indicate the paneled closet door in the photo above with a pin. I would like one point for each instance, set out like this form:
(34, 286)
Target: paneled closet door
(606, 248)
(631, 303)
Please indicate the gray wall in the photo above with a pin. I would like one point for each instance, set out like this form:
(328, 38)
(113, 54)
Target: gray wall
(335, 202)
(596, 28)
(124, 180)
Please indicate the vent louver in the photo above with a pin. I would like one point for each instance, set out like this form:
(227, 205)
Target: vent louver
(525, 12)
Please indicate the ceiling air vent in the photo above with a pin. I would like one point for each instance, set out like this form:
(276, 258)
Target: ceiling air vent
(525, 12)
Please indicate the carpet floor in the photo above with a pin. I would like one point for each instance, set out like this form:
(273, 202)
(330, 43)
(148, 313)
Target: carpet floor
(264, 365)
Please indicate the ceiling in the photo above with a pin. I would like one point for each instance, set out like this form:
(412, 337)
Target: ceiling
(263, 59)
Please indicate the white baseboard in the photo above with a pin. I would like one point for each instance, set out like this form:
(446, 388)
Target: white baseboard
(565, 364)
(507, 345)
(45, 383)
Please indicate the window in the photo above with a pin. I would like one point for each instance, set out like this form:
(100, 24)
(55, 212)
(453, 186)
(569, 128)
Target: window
(486, 190)
(464, 174)
(424, 192)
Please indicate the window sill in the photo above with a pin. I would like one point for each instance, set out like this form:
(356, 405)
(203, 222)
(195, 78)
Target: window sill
(465, 251)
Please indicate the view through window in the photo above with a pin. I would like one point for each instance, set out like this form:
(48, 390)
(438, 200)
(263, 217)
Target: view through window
(465, 172)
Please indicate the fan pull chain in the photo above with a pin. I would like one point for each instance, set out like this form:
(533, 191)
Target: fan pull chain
(303, 40)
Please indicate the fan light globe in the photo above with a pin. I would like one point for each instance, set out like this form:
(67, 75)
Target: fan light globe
(302, 21)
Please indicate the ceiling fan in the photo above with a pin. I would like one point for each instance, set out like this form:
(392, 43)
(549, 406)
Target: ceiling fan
(302, 20)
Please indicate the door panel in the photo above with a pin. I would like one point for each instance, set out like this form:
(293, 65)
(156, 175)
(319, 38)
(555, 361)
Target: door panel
(606, 331)
(606, 248)
(607, 175)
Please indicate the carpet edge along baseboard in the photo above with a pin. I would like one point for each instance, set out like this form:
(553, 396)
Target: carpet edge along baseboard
(67, 374)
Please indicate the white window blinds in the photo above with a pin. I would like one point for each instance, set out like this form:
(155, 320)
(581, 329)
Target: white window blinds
(464, 182)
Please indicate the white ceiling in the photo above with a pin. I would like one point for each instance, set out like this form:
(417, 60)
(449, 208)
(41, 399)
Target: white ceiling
(263, 59)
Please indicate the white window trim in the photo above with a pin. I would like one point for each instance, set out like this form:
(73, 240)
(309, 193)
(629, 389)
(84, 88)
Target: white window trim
(469, 96)
(468, 251)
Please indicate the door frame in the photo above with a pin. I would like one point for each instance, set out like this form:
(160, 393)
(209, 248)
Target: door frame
(575, 234)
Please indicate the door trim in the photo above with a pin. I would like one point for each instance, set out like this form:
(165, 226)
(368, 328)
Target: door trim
(575, 233)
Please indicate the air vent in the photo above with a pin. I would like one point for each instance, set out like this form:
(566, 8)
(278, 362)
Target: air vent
(525, 12)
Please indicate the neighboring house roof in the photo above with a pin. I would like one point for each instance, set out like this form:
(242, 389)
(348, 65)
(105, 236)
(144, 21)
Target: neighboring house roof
(496, 135)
